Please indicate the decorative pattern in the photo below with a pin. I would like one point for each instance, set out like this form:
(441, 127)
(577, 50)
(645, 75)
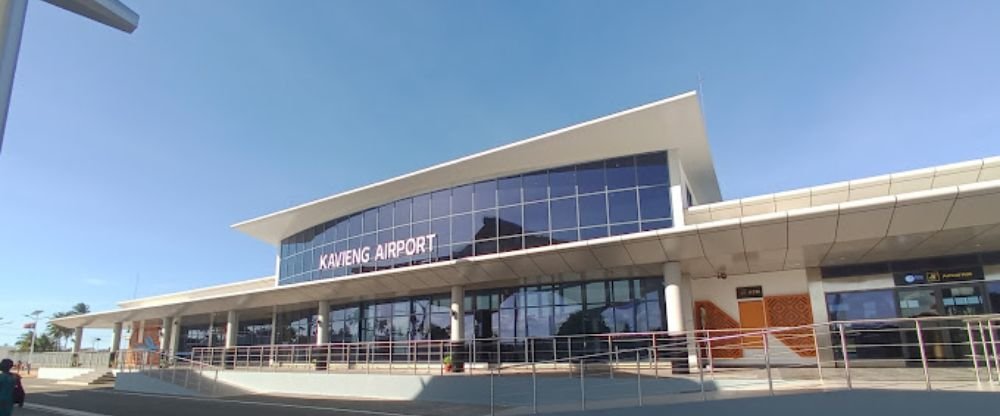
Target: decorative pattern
(792, 311)
(722, 325)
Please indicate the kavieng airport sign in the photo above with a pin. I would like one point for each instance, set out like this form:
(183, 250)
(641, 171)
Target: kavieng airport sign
(386, 251)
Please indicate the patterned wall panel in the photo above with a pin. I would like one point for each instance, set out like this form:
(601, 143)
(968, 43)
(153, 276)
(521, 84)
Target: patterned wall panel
(716, 318)
(792, 310)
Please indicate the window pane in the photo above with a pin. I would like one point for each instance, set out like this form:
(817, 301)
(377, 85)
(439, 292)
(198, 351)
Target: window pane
(461, 228)
(441, 203)
(562, 182)
(442, 230)
(510, 244)
(619, 229)
(461, 199)
(621, 172)
(486, 224)
(536, 217)
(596, 294)
(371, 220)
(510, 221)
(536, 240)
(655, 202)
(485, 195)
(536, 186)
(461, 250)
(621, 291)
(590, 177)
(622, 206)
(568, 320)
(539, 321)
(564, 213)
(570, 294)
(402, 212)
(385, 217)
(656, 225)
(356, 225)
(651, 169)
(486, 247)
(509, 190)
(873, 304)
(593, 210)
(565, 236)
(593, 232)
(421, 207)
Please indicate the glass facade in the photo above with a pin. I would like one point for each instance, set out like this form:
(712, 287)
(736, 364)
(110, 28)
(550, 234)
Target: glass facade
(570, 203)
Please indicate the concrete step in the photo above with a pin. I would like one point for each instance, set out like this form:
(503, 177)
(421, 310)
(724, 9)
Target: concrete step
(92, 378)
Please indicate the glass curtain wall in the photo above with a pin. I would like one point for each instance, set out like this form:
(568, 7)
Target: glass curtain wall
(570, 203)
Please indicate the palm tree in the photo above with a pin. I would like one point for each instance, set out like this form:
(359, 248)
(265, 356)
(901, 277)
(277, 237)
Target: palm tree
(42, 343)
(59, 334)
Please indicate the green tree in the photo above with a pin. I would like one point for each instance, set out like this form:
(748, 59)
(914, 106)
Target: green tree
(60, 335)
(42, 344)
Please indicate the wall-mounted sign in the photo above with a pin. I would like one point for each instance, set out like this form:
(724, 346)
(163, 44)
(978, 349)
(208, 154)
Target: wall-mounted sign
(749, 292)
(386, 251)
(938, 276)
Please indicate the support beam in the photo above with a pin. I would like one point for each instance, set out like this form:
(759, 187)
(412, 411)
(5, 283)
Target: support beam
(322, 323)
(77, 339)
(116, 337)
(457, 313)
(672, 282)
(166, 328)
(175, 335)
(232, 326)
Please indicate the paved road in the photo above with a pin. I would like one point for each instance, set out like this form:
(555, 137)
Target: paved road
(47, 398)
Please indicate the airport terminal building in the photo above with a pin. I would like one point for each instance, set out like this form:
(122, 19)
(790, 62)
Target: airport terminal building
(612, 227)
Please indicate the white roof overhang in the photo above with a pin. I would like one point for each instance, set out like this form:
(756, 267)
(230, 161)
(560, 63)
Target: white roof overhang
(948, 220)
(672, 123)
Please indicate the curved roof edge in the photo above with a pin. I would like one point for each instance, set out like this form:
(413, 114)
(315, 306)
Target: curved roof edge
(674, 123)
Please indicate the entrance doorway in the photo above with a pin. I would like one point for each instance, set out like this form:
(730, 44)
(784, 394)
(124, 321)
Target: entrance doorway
(752, 319)
(946, 340)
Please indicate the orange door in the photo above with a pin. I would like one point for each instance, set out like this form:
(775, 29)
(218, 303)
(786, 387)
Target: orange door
(752, 320)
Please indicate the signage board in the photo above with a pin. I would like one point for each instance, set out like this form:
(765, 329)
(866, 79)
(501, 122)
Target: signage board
(386, 251)
(749, 292)
(938, 276)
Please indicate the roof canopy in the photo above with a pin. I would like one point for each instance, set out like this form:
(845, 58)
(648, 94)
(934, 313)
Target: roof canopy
(672, 123)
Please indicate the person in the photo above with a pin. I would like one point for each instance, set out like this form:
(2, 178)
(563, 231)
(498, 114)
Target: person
(11, 391)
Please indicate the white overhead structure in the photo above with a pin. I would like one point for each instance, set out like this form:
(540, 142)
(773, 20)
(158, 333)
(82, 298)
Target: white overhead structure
(109, 12)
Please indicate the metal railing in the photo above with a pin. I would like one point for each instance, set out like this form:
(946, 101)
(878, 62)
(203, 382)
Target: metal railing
(609, 370)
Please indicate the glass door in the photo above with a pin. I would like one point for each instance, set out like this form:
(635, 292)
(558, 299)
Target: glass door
(915, 303)
(963, 300)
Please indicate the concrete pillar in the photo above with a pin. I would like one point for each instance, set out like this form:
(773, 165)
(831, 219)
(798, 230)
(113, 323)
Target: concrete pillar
(817, 299)
(175, 336)
(141, 338)
(165, 329)
(232, 326)
(116, 337)
(457, 313)
(672, 282)
(323, 323)
(77, 339)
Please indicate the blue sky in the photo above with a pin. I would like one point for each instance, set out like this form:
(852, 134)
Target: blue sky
(130, 155)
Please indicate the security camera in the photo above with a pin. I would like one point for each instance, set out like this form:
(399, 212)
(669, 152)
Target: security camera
(721, 275)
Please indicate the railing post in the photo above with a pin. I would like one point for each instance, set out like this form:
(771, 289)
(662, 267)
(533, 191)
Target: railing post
(993, 343)
(656, 358)
(986, 353)
(583, 388)
(711, 357)
(923, 355)
(972, 347)
(491, 393)
(767, 363)
(844, 355)
(701, 369)
(638, 377)
(534, 389)
(819, 359)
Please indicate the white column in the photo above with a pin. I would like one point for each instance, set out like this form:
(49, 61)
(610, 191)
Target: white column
(457, 313)
(672, 282)
(77, 339)
(175, 335)
(116, 337)
(232, 325)
(322, 321)
(274, 325)
(165, 329)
